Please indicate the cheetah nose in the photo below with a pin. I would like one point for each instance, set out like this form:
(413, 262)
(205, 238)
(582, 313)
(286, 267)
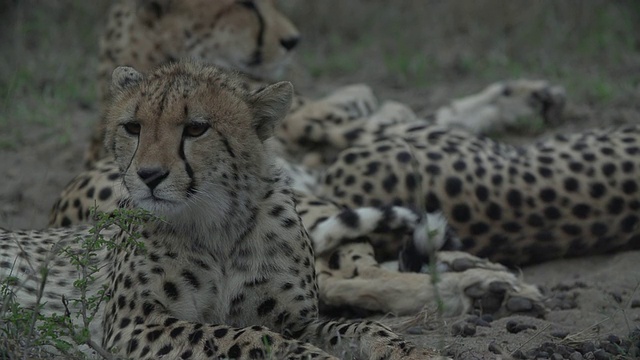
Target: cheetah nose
(290, 42)
(152, 176)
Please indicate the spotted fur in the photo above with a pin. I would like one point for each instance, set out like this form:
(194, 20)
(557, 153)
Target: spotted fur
(568, 195)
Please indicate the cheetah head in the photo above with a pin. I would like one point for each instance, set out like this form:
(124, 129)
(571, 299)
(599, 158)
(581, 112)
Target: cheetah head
(247, 35)
(190, 141)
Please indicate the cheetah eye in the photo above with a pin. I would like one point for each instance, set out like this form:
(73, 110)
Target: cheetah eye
(132, 128)
(195, 129)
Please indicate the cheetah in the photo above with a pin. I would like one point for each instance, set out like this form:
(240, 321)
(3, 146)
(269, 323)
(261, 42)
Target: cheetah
(227, 268)
(567, 195)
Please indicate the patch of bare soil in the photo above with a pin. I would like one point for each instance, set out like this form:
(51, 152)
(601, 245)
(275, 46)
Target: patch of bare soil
(594, 313)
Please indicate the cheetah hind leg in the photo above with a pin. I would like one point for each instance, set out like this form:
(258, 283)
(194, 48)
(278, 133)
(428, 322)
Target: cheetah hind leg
(476, 285)
(350, 277)
(502, 295)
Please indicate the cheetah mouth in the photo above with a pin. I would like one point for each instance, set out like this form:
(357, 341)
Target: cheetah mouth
(153, 203)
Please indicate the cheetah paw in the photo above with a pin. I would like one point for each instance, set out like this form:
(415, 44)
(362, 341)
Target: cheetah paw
(489, 291)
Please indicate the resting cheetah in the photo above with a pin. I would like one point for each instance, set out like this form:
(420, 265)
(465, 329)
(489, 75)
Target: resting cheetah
(227, 268)
(568, 195)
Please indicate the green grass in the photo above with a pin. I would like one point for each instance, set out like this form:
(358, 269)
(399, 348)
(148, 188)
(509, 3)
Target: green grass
(589, 46)
(48, 70)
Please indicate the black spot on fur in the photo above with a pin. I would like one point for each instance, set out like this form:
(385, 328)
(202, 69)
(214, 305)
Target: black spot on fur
(390, 182)
(581, 211)
(547, 195)
(349, 218)
(597, 190)
(529, 178)
(461, 213)
(234, 352)
(171, 290)
(104, 193)
(615, 205)
(403, 157)
(334, 261)
(629, 187)
(459, 166)
(479, 228)
(453, 186)
(572, 230)
(571, 184)
(514, 198)
(482, 193)
(191, 278)
(494, 211)
(266, 307)
(599, 229)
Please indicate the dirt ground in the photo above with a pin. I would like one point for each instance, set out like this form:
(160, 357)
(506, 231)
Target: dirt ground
(594, 302)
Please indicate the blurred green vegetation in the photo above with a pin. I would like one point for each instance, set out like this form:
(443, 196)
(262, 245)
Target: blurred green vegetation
(49, 53)
(590, 46)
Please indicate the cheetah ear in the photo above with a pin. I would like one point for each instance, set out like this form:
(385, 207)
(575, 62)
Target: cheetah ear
(270, 106)
(124, 77)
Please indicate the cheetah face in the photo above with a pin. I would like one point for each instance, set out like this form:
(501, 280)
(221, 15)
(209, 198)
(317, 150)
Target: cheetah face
(189, 141)
(521, 98)
(247, 35)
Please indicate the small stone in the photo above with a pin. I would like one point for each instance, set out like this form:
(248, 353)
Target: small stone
(456, 329)
(563, 350)
(468, 330)
(575, 356)
(472, 318)
(611, 348)
(635, 303)
(483, 323)
(600, 354)
(487, 317)
(560, 334)
(587, 347)
(556, 357)
(495, 348)
(518, 354)
(476, 320)
(614, 339)
(415, 330)
(463, 329)
(514, 327)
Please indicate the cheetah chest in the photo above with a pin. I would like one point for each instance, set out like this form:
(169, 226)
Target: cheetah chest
(202, 287)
